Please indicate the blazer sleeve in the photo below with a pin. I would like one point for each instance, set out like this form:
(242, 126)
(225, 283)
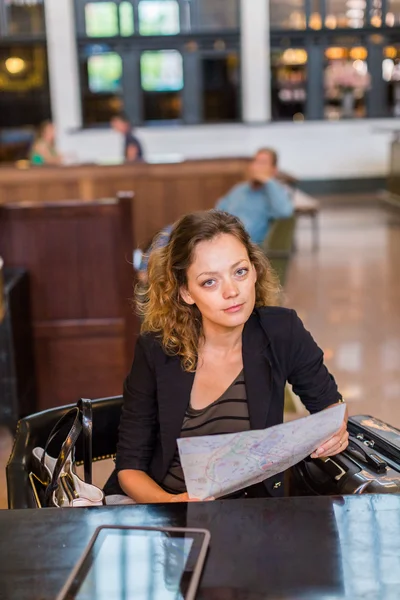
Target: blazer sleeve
(308, 375)
(139, 421)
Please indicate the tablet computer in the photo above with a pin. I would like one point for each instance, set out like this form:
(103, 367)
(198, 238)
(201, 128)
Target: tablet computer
(139, 563)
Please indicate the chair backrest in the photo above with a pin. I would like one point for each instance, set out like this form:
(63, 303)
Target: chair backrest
(33, 431)
(278, 245)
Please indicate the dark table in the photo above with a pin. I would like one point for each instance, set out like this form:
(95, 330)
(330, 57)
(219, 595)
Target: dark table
(297, 548)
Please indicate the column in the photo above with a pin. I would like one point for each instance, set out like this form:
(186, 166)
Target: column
(63, 65)
(256, 66)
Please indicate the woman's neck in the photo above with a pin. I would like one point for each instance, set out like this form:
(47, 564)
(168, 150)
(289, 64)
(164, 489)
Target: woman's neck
(221, 341)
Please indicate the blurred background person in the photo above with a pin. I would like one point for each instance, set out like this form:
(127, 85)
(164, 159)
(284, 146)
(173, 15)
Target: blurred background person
(44, 151)
(261, 199)
(133, 151)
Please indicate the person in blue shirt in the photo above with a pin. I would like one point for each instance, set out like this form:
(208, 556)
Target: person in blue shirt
(261, 199)
(256, 203)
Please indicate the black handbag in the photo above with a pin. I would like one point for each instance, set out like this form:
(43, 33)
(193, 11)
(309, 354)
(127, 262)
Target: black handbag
(54, 479)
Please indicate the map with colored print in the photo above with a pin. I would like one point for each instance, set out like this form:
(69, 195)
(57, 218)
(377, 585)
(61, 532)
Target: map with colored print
(218, 465)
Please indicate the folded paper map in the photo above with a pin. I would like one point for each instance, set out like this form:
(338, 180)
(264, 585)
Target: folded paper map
(217, 465)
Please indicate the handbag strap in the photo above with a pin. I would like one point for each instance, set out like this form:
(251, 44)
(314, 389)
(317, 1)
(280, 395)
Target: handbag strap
(85, 407)
(66, 449)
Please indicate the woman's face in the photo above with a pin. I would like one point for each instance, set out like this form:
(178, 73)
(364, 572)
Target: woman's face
(49, 133)
(221, 282)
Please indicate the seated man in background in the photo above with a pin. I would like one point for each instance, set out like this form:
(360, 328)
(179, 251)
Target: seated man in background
(133, 151)
(261, 199)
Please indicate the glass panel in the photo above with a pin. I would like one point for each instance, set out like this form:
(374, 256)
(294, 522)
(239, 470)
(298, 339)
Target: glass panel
(375, 13)
(101, 85)
(101, 19)
(346, 82)
(24, 87)
(315, 20)
(287, 14)
(25, 17)
(162, 82)
(391, 74)
(288, 85)
(126, 19)
(217, 14)
(159, 17)
(105, 73)
(393, 13)
(161, 71)
(221, 95)
(346, 13)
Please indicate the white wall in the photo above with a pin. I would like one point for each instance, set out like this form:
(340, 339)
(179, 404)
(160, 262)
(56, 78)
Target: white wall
(313, 150)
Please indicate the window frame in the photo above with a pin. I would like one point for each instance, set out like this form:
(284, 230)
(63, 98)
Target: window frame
(191, 45)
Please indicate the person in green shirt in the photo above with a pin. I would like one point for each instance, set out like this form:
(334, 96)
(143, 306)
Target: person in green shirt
(43, 151)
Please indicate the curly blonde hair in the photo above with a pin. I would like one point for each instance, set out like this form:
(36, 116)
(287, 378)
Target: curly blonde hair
(164, 312)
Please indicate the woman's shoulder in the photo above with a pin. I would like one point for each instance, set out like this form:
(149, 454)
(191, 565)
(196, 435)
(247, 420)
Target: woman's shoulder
(276, 315)
(151, 344)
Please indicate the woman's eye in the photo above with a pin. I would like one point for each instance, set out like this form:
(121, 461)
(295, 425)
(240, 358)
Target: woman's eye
(208, 283)
(242, 272)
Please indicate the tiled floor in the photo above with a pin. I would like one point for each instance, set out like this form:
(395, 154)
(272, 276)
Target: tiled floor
(348, 294)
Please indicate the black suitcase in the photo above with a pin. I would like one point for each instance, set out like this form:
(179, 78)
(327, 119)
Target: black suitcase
(370, 464)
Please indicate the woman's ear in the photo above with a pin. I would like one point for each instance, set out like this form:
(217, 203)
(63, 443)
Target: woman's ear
(185, 295)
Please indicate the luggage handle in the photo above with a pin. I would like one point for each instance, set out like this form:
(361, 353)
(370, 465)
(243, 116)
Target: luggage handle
(334, 469)
(371, 458)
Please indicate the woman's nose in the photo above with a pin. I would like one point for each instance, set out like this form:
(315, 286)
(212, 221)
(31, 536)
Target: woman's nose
(230, 290)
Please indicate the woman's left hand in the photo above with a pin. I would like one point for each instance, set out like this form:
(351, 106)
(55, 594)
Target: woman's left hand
(337, 443)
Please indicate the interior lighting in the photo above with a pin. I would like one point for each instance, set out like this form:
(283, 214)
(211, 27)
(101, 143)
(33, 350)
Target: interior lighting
(391, 52)
(15, 65)
(335, 53)
(358, 53)
(331, 22)
(293, 56)
(390, 19)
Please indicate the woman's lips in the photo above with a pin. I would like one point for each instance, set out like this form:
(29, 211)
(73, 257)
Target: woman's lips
(233, 309)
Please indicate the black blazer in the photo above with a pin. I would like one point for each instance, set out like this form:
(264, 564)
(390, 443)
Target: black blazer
(276, 349)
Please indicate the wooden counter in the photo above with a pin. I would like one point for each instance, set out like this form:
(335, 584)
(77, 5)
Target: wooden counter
(163, 192)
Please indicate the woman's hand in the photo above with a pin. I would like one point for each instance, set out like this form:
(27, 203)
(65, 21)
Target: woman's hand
(337, 443)
(185, 498)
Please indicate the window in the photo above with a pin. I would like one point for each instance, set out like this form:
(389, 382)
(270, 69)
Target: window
(101, 19)
(217, 14)
(162, 83)
(287, 14)
(391, 77)
(133, 55)
(346, 82)
(102, 85)
(221, 88)
(289, 80)
(159, 17)
(392, 18)
(24, 17)
(24, 87)
(109, 19)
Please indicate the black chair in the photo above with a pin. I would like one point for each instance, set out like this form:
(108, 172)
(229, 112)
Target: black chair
(33, 431)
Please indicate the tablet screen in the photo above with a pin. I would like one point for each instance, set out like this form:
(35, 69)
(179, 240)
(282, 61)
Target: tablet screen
(136, 564)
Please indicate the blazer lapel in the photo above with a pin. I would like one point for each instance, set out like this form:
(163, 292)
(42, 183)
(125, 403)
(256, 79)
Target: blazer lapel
(174, 387)
(257, 372)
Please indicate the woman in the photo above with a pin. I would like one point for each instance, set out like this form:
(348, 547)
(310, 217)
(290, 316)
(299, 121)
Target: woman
(43, 151)
(214, 357)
